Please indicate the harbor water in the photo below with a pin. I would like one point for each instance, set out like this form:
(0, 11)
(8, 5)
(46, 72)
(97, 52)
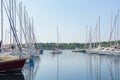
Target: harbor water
(69, 66)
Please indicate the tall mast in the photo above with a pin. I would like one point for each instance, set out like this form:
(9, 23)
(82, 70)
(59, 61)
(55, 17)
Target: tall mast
(20, 14)
(58, 38)
(57, 35)
(86, 36)
(111, 28)
(1, 23)
(115, 32)
(99, 31)
(90, 35)
(32, 33)
(117, 27)
(14, 11)
(25, 27)
(12, 17)
(10, 27)
(29, 30)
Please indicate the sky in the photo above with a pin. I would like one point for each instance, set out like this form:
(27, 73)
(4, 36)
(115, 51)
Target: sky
(71, 17)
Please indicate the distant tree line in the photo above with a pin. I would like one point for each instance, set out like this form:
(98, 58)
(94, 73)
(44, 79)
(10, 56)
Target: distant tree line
(48, 46)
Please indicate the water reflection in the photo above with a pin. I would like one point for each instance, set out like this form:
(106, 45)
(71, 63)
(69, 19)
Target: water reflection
(102, 67)
(78, 66)
(30, 71)
(9, 76)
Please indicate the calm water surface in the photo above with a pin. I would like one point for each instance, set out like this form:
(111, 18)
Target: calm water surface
(71, 66)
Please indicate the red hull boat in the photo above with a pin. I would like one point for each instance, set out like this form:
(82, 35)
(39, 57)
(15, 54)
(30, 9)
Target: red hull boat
(12, 65)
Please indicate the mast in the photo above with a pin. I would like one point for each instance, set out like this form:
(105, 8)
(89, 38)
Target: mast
(12, 17)
(117, 26)
(86, 36)
(57, 37)
(99, 31)
(20, 14)
(115, 33)
(25, 25)
(111, 28)
(30, 34)
(1, 24)
(33, 36)
(14, 11)
(90, 35)
(10, 27)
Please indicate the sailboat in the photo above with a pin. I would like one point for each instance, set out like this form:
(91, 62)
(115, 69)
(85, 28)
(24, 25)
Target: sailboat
(99, 48)
(113, 49)
(8, 62)
(56, 50)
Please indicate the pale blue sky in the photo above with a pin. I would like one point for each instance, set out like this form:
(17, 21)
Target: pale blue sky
(71, 16)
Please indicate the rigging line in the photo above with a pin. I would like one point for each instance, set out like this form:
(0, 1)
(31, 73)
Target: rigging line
(12, 27)
(22, 27)
(95, 34)
(1, 42)
(113, 28)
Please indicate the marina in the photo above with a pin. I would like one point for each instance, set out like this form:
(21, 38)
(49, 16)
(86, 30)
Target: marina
(72, 66)
(31, 49)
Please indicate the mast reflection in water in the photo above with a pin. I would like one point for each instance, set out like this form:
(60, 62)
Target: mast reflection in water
(78, 66)
(29, 71)
(70, 66)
